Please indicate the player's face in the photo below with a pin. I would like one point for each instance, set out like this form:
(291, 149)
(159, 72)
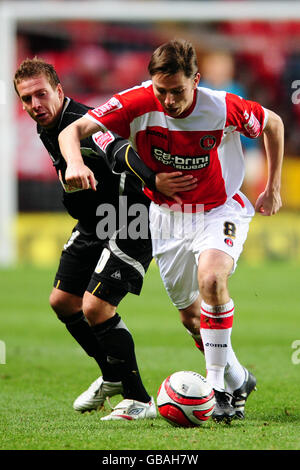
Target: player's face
(175, 92)
(42, 102)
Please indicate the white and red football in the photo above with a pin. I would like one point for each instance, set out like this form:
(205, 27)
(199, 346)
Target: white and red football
(185, 399)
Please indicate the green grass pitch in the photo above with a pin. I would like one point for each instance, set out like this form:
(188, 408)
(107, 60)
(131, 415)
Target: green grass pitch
(45, 370)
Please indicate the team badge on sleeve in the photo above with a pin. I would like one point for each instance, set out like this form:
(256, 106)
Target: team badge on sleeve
(111, 105)
(252, 126)
(103, 139)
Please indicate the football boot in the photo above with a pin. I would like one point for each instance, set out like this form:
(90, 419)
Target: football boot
(223, 410)
(129, 410)
(94, 397)
(240, 395)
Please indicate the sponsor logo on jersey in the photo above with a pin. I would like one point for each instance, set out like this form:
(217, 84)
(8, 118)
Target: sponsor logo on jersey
(112, 105)
(181, 162)
(208, 142)
(253, 125)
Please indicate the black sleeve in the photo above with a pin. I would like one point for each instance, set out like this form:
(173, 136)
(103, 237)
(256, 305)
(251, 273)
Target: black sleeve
(120, 157)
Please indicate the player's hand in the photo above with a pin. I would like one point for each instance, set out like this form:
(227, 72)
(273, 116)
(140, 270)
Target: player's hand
(80, 176)
(170, 184)
(268, 202)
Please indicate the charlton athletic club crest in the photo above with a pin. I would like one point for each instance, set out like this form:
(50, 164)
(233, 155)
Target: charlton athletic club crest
(207, 142)
(228, 241)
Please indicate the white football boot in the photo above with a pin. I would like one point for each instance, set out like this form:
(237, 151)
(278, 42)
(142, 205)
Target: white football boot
(128, 410)
(94, 397)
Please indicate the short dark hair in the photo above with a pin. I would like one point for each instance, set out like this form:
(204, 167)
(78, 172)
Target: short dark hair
(34, 67)
(173, 56)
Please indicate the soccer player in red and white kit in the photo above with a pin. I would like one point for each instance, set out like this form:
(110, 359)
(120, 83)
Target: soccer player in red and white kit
(176, 125)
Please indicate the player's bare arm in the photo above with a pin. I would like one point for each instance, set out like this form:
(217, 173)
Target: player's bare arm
(77, 174)
(269, 202)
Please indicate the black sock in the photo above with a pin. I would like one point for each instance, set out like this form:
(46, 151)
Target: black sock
(81, 331)
(116, 342)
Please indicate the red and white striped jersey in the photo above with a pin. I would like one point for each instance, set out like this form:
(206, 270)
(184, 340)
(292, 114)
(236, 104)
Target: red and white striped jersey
(204, 142)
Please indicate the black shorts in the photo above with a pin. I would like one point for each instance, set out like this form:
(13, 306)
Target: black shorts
(107, 269)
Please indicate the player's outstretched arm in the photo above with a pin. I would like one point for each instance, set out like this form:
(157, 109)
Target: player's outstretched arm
(269, 201)
(77, 174)
(120, 157)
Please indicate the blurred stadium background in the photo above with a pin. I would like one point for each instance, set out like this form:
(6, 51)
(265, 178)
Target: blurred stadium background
(98, 48)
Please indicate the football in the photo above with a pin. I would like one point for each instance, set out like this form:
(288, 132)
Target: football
(185, 399)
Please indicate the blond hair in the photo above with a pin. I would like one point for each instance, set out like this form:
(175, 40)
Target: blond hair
(34, 67)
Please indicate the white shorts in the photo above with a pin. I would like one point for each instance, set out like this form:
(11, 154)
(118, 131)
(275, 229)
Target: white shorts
(179, 240)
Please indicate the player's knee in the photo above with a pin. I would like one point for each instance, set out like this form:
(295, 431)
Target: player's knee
(212, 284)
(63, 303)
(97, 310)
(55, 302)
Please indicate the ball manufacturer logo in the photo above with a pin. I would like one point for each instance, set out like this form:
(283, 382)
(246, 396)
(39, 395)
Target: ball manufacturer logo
(184, 388)
(207, 142)
(228, 241)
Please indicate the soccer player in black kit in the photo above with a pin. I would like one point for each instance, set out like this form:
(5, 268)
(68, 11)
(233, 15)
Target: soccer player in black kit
(97, 270)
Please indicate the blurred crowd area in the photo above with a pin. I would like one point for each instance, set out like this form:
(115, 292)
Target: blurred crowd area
(257, 60)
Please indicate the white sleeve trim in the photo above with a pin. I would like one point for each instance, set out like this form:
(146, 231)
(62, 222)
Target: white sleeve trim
(91, 118)
(266, 116)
